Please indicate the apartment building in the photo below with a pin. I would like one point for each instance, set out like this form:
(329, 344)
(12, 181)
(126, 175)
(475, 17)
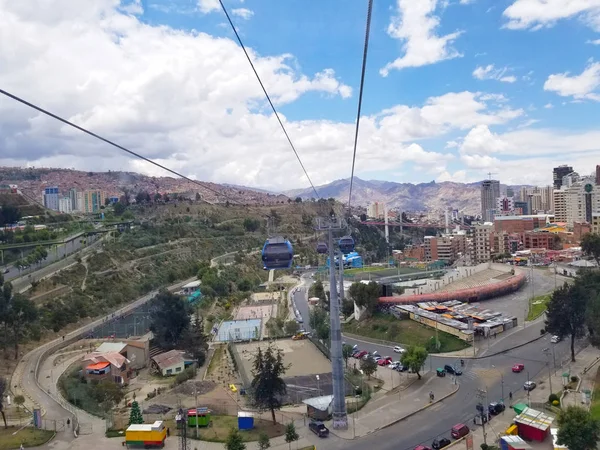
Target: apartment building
(64, 205)
(376, 210)
(521, 224)
(482, 243)
(51, 197)
(560, 205)
(582, 201)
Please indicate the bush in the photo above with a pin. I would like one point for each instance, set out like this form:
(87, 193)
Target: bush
(552, 397)
(555, 403)
(574, 379)
(542, 331)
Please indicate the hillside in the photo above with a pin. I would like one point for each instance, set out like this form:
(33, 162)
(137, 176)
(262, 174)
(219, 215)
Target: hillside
(32, 181)
(406, 196)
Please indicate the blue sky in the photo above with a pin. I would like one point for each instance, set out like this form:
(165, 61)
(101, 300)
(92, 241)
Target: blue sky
(471, 86)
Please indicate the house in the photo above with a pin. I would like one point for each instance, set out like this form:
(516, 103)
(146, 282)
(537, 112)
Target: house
(110, 366)
(319, 408)
(137, 351)
(171, 362)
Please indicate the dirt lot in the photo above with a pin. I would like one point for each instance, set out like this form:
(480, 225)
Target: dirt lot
(303, 356)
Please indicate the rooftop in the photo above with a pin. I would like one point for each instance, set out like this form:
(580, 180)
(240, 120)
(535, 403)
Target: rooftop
(534, 418)
(169, 359)
(105, 347)
(116, 359)
(321, 403)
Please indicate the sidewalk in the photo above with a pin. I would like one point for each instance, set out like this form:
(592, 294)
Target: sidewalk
(395, 406)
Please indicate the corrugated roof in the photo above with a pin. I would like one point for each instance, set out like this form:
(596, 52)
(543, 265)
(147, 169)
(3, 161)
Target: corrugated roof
(516, 442)
(321, 403)
(116, 359)
(534, 418)
(169, 359)
(98, 366)
(192, 284)
(111, 347)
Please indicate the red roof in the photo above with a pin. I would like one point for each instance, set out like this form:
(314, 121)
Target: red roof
(98, 366)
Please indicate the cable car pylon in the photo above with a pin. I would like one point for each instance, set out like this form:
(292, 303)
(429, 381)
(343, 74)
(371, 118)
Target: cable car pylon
(339, 414)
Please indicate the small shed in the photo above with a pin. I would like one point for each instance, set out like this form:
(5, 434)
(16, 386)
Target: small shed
(554, 433)
(513, 443)
(319, 408)
(245, 420)
(146, 435)
(170, 363)
(533, 425)
(203, 415)
(519, 408)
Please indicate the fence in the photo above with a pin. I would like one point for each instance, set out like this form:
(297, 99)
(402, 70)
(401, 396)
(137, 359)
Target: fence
(238, 365)
(320, 345)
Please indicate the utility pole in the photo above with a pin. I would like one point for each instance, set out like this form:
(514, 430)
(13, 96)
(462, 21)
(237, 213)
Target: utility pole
(340, 416)
(196, 403)
(482, 395)
(547, 353)
(341, 278)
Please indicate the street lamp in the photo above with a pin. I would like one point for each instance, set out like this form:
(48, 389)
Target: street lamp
(318, 385)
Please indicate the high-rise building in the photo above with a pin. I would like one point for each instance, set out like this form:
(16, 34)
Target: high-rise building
(558, 173)
(560, 205)
(521, 208)
(64, 205)
(490, 191)
(510, 192)
(505, 206)
(481, 242)
(93, 200)
(376, 210)
(582, 201)
(570, 179)
(73, 198)
(597, 174)
(79, 203)
(51, 198)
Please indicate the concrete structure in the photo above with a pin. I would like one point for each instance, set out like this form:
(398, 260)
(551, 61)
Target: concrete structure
(560, 205)
(521, 208)
(376, 210)
(539, 239)
(93, 200)
(445, 248)
(319, 408)
(482, 242)
(521, 224)
(505, 206)
(64, 205)
(239, 330)
(73, 198)
(490, 191)
(51, 198)
(558, 173)
(169, 363)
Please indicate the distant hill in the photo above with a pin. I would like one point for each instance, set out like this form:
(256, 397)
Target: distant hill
(406, 196)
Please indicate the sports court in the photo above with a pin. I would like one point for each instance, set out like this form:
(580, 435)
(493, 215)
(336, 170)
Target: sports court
(262, 312)
(239, 330)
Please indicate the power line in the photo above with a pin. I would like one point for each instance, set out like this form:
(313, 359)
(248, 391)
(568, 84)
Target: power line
(360, 95)
(269, 98)
(131, 152)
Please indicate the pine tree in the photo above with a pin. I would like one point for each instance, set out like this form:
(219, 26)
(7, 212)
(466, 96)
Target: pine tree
(135, 416)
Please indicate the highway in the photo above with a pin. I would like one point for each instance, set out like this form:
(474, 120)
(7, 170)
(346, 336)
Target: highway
(491, 373)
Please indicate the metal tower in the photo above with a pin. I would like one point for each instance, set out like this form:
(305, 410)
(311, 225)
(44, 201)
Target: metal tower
(340, 416)
(181, 420)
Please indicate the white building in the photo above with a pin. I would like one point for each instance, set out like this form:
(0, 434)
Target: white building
(376, 210)
(64, 205)
(582, 201)
(505, 206)
(51, 198)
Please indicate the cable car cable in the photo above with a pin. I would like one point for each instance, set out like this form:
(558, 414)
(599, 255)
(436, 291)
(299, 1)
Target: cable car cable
(360, 95)
(120, 147)
(269, 98)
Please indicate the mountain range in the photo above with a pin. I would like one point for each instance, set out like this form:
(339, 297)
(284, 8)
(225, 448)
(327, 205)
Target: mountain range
(432, 197)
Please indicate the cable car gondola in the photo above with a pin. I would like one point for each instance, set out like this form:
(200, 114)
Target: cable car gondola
(346, 244)
(277, 253)
(322, 248)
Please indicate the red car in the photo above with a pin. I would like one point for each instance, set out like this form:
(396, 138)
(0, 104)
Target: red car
(518, 368)
(383, 362)
(361, 354)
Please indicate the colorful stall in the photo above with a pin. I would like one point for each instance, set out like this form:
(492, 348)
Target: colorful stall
(533, 425)
(245, 420)
(203, 415)
(146, 435)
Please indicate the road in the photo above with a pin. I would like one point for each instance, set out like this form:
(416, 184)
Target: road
(491, 373)
(54, 255)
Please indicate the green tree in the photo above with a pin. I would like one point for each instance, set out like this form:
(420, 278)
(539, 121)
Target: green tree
(566, 313)
(250, 224)
(19, 401)
(291, 327)
(169, 319)
(577, 429)
(263, 441)
(319, 322)
(135, 416)
(365, 295)
(368, 366)
(9, 214)
(234, 440)
(346, 352)
(590, 245)
(268, 385)
(107, 394)
(291, 434)
(414, 357)
(119, 208)
(3, 385)
(194, 340)
(317, 290)
(22, 312)
(347, 308)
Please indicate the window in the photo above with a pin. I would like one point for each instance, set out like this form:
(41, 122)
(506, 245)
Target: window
(178, 369)
(169, 371)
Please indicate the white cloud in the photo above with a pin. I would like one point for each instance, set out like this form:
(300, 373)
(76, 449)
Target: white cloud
(416, 27)
(481, 141)
(536, 14)
(490, 72)
(577, 86)
(244, 13)
(466, 2)
(208, 6)
(548, 106)
(593, 42)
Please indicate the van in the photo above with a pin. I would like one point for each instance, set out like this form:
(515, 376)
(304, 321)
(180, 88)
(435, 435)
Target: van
(459, 430)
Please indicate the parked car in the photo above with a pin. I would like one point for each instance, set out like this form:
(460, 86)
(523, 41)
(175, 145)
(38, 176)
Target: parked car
(393, 365)
(437, 444)
(422, 447)
(398, 349)
(459, 430)
(376, 357)
(518, 368)
(555, 339)
(529, 385)
(452, 370)
(383, 362)
(319, 429)
(361, 354)
(388, 358)
(6, 270)
(496, 408)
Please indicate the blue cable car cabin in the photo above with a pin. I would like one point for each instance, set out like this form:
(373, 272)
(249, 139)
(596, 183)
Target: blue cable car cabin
(346, 244)
(277, 253)
(322, 248)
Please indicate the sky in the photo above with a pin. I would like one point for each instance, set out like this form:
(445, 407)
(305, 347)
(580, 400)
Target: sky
(455, 90)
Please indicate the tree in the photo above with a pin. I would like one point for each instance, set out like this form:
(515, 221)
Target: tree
(169, 319)
(263, 441)
(318, 291)
(368, 366)
(577, 429)
(346, 352)
(2, 394)
(291, 434)
(250, 224)
(135, 416)
(291, 327)
(19, 400)
(107, 394)
(9, 215)
(234, 441)
(365, 295)
(298, 199)
(319, 322)
(414, 357)
(268, 385)
(119, 208)
(347, 308)
(566, 313)
(22, 312)
(194, 341)
(590, 245)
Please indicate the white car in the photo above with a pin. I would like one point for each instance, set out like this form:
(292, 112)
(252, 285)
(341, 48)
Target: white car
(555, 339)
(398, 349)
